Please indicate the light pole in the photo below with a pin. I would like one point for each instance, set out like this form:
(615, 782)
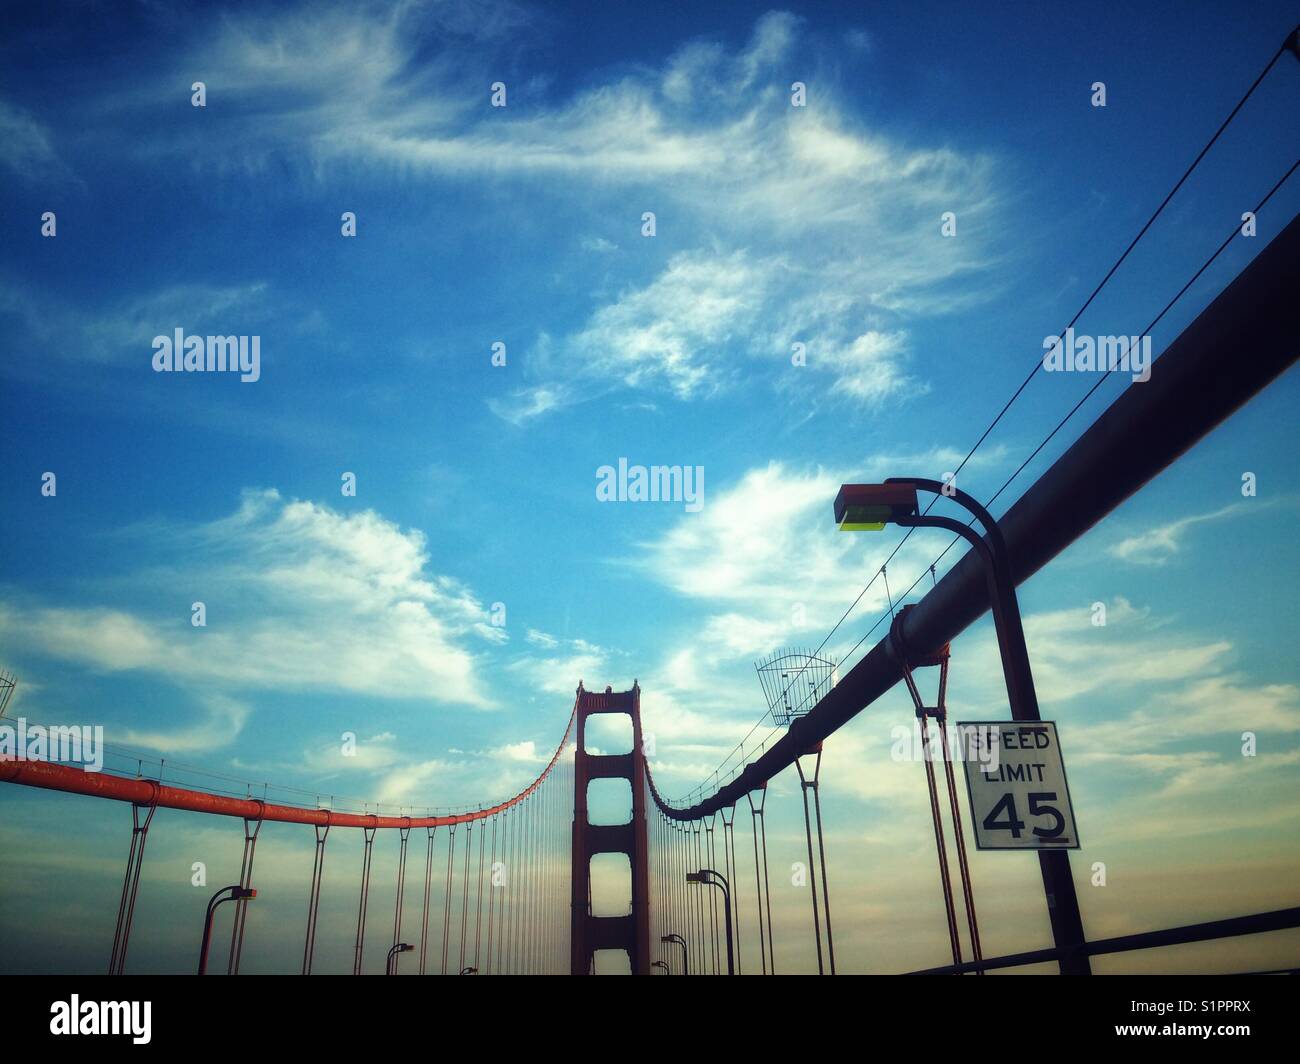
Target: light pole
(236, 892)
(869, 507)
(390, 965)
(661, 964)
(686, 964)
(716, 879)
(469, 971)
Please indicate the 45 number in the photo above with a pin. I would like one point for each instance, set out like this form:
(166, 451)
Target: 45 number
(1037, 807)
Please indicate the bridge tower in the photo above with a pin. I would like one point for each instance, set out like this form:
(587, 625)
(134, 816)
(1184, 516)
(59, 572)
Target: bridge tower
(630, 932)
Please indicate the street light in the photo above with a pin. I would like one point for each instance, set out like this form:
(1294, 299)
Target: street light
(469, 971)
(660, 964)
(715, 879)
(869, 507)
(686, 966)
(390, 965)
(236, 893)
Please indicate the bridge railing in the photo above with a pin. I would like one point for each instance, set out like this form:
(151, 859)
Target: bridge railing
(1257, 923)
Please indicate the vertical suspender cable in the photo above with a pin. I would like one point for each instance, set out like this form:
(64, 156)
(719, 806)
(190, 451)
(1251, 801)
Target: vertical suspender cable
(131, 883)
(464, 904)
(404, 833)
(424, 915)
(812, 874)
(821, 851)
(241, 906)
(446, 899)
(923, 724)
(313, 897)
(967, 887)
(713, 895)
(754, 814)
(733, 876)
(507, 894)
(492, 873)
(365, 894)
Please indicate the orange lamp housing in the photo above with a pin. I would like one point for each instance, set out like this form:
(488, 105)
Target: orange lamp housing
(869, 507)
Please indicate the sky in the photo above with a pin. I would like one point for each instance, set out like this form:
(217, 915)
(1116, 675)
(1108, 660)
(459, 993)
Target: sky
(504, 323)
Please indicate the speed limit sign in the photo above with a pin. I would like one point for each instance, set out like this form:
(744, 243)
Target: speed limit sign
(1015, 778)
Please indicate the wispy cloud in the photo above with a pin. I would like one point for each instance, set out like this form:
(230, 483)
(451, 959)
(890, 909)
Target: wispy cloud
(224, 720)
(1158, 545)
(560, 664)
(787, 224)
(66, 332)
(29, 147)
(298, 597)
(767, 543)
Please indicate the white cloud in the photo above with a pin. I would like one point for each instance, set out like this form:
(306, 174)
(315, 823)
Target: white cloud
(769, 544)
(524, 404)
(124, 332)
(1157, 545)
(525, 752)
(558, 673)
(787, 224)
(868, 368)
(298, 597)
(366, 754)
(394, 777)
(29, 149)
(674, 333)
(224, 721)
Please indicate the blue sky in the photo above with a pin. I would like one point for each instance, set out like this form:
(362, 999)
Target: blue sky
(775, 225)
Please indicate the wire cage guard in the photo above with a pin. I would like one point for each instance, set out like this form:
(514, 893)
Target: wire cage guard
(7, 684)
(794, 681)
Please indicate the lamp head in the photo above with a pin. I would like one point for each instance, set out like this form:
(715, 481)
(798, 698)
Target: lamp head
(869, 507)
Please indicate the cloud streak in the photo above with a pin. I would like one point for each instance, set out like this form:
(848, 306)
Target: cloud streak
(298, 597)
(785, 225)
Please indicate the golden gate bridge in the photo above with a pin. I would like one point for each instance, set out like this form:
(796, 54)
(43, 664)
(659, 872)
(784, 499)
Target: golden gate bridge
(516, 875)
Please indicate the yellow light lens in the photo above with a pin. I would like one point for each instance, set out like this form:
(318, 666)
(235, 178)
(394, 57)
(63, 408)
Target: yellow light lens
(864, 518)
